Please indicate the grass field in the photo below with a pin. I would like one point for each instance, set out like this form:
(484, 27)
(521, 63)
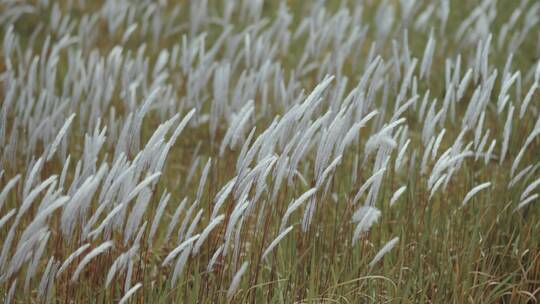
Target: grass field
(278, 151)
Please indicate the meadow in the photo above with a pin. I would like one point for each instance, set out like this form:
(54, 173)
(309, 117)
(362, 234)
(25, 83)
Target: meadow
(270, 151)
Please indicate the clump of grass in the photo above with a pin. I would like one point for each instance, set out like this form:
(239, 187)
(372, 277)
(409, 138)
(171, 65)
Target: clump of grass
(269, 151)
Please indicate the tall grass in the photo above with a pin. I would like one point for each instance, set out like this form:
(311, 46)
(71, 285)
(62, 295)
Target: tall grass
(269, 151)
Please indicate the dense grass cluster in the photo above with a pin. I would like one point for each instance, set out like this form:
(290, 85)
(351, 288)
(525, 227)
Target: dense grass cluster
(269, 151)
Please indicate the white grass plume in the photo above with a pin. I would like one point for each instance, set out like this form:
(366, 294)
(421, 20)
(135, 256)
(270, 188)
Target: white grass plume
(110, 216)
(366, 216)
(233, 288)
(295, 205)
(178, 249)
(276, 241)
(527, 100)
(237, 212)
(94, 253)
(59, 137)
(425, 67)
(176, 217)
(71, 258)
(4, 219)
(397, 194)
(401, 155)
(10, 184)
(370, 181)
(526, 202)
(214, 258)
(222, 196)
(180, 263)
(530, 188)
(384, 250)
(157, 217)
(520, 175)
(506, 133)
(216, 221)
(130, 293)
(474, 191)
